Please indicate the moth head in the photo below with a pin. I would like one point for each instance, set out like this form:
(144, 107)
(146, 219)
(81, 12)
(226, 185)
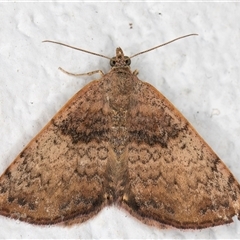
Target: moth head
(120, 60)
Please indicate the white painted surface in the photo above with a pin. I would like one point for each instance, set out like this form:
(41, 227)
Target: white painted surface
(199, 75)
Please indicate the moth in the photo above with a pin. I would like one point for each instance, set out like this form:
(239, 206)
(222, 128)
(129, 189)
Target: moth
(119, 141)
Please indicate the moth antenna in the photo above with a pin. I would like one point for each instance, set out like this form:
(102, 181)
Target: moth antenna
(79, 49)
(148, 50)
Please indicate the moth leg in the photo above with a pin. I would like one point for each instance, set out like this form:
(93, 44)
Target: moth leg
(82, 74)
(135, 72)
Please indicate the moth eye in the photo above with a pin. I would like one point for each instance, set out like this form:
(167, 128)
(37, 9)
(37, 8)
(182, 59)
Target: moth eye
(112, 62)
(128, 61)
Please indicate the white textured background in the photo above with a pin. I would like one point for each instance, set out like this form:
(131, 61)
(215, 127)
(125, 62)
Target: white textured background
(199, 75)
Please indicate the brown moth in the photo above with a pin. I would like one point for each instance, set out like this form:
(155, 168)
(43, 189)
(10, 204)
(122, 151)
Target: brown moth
(119, 141)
